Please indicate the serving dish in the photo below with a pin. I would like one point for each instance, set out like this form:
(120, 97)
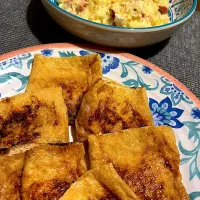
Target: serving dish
(179, 12)
(170, 101)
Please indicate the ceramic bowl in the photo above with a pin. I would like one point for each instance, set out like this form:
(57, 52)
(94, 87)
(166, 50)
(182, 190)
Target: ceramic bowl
(180, 11)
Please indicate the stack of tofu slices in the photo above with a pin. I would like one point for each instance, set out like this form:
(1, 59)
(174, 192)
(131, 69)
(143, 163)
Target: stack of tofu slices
(116, 153)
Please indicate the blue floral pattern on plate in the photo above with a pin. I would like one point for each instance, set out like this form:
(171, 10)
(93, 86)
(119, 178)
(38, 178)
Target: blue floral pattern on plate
(47, 52)
(109, 62)
(192, 155)
(169, 105)
(7, 77)
(164, 113)
(138, 81)
(195, 113)
(15, 62)
(147, 70)
(176, 94)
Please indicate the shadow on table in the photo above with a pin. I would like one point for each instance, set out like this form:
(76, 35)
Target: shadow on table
(47, 31)
(44, 28)
(149, 51)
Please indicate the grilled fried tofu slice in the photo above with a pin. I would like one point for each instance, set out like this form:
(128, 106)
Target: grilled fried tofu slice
(100, 183)
(74, 74)
(50, 170)
(147, 159)
(33, 118)
(10, 175)
(110, 106)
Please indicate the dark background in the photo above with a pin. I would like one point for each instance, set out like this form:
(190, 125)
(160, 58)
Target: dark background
(25, 23)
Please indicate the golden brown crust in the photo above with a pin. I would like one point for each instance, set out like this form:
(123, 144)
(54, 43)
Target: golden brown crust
(10, 175)
(147, 159)
(109, 106)
(50, 170)
(33, 118)
(101, 183)
(74, 74)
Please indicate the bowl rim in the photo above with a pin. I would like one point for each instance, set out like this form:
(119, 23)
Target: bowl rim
(124, 29)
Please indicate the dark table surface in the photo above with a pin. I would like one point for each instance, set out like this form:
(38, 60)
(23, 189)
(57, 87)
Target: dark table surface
(25, 23)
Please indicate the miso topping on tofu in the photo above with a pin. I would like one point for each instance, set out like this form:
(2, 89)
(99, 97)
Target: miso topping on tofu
(49, 170)
(33, 118)
(147, 159)
(75, 75)
(109, 107)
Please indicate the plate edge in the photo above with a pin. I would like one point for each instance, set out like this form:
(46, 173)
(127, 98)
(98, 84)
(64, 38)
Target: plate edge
(109, 50)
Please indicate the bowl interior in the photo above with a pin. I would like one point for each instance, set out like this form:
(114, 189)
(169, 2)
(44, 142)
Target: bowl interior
(178, 10)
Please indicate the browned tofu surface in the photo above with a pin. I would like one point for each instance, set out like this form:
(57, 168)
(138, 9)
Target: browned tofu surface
(74, 74)
(33, 118)
(147, 159)
(110, 106)
(101, 183)
(10, 175)
(50, 170)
